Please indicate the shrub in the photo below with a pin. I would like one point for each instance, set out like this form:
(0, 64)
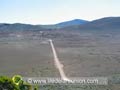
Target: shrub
(7, 83)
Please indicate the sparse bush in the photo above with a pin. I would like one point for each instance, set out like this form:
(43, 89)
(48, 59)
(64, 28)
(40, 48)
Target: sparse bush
(7, 83)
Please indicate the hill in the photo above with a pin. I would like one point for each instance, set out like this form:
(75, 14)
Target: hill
(19, 27)
(72, 22)
(107, 23)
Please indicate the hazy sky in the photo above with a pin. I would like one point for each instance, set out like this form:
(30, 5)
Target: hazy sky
(54, 11)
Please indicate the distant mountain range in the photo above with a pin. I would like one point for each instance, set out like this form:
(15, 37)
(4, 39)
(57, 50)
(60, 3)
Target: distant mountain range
(19, 27)
(72, 22)
(65, 24)
(77, 24)
(107, 23)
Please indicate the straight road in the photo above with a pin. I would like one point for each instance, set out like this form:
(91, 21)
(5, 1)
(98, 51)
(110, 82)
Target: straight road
(58, 65)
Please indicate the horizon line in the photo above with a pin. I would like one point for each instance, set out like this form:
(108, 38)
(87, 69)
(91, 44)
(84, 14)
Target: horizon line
(56, 22)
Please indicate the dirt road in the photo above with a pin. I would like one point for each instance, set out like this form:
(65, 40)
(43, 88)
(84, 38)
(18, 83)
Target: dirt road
(58, 65)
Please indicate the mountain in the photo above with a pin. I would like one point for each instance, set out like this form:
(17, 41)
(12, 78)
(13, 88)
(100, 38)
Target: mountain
(64, 24)
(71, 23)
(107, 23)
(19, 27)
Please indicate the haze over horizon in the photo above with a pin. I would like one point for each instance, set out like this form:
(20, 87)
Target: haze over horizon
(55, 11)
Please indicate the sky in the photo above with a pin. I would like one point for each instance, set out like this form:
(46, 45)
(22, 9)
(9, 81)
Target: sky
(55, 11)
